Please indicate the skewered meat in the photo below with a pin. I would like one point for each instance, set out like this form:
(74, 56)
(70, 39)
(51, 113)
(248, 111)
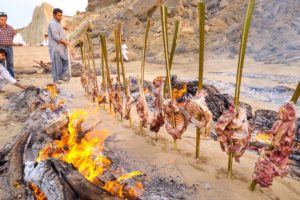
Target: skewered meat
(101, 98)
(273, 161)
(158, 119)
(198, 110)
(233, 132)
(117, 98)
(142, 109)
(84, 80)
(129, 102)
(170, 108)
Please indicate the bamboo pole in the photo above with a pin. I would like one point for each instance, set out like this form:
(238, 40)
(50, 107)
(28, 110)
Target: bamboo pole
(81, 51)
(167, 59)
(296, 94)
(104, 50)
(91, 50)
(117, 54)
(103, 70)
(144, 53)
(201, 10)
(174, 44)
(119, 34)
(240, 70)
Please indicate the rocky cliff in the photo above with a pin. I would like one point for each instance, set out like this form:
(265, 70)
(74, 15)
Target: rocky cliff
(274, 35)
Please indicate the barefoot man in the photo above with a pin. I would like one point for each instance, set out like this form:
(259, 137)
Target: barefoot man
(4, 74)
(58, 48)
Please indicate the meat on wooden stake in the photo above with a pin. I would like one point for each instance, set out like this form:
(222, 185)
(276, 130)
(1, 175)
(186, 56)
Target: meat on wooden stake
(234, 132)
(158, 119)
(129, 102)
(116, 97)
(199, 113)
(273, 161)
(142, 109)
(170, 108)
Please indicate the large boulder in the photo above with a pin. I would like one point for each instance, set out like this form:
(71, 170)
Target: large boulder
(34, 32)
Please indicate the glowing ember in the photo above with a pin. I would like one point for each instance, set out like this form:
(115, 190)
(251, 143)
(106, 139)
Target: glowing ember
(177, 93)
(86, 155)
(39, 195)
(264, 137)
(52, 90)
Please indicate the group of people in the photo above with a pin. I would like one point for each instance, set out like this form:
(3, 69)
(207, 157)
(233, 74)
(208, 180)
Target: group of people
(56, 41)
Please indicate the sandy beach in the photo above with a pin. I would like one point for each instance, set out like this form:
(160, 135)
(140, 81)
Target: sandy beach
(209, 172)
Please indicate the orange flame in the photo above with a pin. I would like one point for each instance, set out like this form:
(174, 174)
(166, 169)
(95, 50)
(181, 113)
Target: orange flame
(177, 93)
(86, 154)
(52, 90)
(39, 195)
(146, 91)
(264, 137)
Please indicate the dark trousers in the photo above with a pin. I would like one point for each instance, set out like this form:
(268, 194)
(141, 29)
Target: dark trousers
(9, 60)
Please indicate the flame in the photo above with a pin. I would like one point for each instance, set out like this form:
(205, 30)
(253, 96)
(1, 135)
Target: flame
(39, 195)
(177, 93)
(52, 90)
(264, 137)
(86, 154)
(146, 91)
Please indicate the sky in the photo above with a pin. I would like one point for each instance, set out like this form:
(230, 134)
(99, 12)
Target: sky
(20, 11)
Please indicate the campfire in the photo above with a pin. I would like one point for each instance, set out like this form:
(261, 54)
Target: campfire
(83, 149)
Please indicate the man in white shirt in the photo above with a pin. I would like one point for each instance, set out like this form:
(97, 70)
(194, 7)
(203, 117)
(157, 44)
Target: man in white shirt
(4, 74)
(45, 41)
(124, 51)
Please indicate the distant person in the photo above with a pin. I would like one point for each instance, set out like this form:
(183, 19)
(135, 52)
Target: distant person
(58, 48)
(45, 41)
(4, 74)
(18, 40)
(124, 51)
(7, 34)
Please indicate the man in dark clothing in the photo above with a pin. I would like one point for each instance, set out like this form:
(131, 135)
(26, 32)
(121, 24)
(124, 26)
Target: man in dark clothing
(7, 34)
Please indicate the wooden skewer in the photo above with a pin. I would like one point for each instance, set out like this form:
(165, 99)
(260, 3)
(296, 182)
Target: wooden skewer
(174, 44)
(144, 52)
(240, 70)
(91, 50)
(296, 94)
(167, 60)
(103, 70)
(117, 54)
(148, 24)
(123, 68)
(201, 10)
(104, 49)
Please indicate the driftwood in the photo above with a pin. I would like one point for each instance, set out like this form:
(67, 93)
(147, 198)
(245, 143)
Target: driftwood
(44, 66)
(26, 71)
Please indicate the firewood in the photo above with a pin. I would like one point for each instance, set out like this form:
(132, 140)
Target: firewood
(16, 180)
(56, 124)
(48, 180)
(85, 189)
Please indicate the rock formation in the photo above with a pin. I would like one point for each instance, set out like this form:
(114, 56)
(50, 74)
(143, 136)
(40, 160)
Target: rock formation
(34, 32)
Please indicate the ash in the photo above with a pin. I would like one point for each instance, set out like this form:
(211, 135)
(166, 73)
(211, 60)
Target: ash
(156, 186)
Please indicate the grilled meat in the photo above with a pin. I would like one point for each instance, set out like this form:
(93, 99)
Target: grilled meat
(273, 160)
(233, 132)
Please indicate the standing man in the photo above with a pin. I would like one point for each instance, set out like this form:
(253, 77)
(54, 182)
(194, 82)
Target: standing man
(58, 48)
(7, 34)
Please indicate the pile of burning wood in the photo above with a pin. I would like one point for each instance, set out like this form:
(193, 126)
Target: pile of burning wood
(58, 155)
